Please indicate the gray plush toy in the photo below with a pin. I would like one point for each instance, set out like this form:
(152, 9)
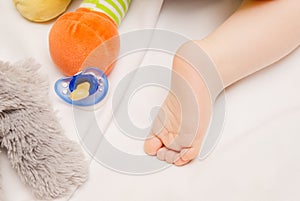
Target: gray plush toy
(46, 160)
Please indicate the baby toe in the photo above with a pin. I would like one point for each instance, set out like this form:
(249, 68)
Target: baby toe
(161, 154)
(189, 153)
(171, 156)
(152, 145)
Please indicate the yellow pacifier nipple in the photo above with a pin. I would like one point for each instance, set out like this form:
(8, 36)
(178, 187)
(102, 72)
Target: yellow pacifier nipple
(81, 92)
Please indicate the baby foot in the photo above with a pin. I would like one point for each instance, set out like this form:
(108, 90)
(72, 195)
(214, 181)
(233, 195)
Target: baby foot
(179, 128)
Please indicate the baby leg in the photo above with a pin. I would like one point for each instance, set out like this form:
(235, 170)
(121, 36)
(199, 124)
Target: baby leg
(258, 34)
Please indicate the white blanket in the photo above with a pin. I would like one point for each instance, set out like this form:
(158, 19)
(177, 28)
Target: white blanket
(257, 158)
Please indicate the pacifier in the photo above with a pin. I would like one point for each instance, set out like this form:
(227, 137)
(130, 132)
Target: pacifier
(86, 88)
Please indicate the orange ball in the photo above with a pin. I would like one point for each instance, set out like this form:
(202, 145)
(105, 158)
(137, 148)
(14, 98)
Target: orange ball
(76, 34)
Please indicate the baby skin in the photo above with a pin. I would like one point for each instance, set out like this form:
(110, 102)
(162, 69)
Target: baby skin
(258, 34)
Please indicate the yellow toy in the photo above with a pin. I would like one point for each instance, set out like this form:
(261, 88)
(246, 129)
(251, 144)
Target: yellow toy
(41, 10)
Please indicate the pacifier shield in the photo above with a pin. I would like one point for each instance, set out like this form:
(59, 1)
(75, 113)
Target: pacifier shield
(86, 88)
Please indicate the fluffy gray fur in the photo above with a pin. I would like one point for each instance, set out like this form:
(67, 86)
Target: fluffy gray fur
(48, 162)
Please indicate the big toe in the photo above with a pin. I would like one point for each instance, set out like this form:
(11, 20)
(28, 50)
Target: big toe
(152, 145)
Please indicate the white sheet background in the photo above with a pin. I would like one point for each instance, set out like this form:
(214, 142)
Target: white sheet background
(258, 157)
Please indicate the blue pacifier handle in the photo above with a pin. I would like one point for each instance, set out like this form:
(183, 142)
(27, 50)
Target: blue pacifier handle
(98, 87)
